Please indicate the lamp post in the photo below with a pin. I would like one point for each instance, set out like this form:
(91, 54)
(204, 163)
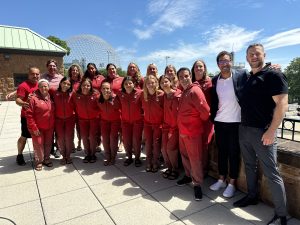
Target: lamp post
(167, 57)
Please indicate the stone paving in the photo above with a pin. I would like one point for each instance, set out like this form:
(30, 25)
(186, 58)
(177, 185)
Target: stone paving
(93, 194)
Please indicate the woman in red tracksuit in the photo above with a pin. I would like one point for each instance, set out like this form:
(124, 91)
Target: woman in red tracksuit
(110, 106)
(170, 138)
(170, 71)
(75, 76)
(152, 103)
(132, 120)
(40, 121)
(86, 106)
(64, 119)
(113, 78)
(200, 77)
(134, 71)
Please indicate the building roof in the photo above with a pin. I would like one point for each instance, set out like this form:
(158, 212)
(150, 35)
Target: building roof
(24, 39)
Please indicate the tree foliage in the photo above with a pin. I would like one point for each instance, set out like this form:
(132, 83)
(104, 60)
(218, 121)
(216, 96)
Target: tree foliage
(292, 72)
(120, 72)
(60, 42)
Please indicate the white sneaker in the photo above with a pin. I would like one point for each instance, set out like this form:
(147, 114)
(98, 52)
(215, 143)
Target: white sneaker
(216, 186)
(229, 191)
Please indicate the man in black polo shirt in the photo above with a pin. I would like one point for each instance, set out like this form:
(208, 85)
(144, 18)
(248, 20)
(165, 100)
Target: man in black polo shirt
(263, 103)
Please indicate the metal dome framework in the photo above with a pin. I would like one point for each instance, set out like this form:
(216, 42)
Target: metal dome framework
(90, 49)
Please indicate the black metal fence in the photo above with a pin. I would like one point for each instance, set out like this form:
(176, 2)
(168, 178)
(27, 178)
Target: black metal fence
(290, 129)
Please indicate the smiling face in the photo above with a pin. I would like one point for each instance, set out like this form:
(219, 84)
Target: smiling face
(112, 71)
(199, 70)
(44, 88)
(166, 84)
(151, 85)
(52, 68)
(129, 86)
(65, 85)
(34, 75)
(75, 74)
(225, 64)
(85, 87)
(170, 72)
(185, 78)
(106, 90)
(256, 57)
(92, 70)
(132, 69)
(152, 70)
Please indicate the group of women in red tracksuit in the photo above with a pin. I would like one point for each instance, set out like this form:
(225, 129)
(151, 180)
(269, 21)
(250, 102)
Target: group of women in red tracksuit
(130, 106)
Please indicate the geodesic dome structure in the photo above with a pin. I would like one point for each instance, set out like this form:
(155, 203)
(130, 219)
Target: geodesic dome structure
(87, 48)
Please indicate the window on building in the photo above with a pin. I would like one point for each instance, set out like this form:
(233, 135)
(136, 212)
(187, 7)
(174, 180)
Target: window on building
(19, 78)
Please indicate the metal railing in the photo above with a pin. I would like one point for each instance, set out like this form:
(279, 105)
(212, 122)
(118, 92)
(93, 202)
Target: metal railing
(290, 129)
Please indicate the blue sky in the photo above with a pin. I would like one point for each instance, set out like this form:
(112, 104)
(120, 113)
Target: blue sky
(148, 31)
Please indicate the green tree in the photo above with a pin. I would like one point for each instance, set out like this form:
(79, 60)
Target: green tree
(292, 73)
(121, 72)
(60, 42)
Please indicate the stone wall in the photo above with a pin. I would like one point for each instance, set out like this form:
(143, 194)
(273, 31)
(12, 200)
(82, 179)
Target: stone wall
(289, 167)
(11, 64)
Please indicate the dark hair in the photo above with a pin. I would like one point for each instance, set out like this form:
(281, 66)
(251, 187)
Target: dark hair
(62, 80)
(222, 53)
(79, 91)
(255, 45)
(51, 61)
(165, 77)
(110, 64)
(101, 98)
(87, 73)
(193, 72)
(123, 83)
(183, 69)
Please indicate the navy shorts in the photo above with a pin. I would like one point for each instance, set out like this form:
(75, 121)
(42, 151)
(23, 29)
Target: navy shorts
(24, 129)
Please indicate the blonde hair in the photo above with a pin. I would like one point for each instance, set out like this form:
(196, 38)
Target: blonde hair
(148, 70)
(138, 73)
(145, 89)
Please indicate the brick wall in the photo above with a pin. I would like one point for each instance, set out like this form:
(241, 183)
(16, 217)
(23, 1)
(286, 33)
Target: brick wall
(19, 63)
(289, 166)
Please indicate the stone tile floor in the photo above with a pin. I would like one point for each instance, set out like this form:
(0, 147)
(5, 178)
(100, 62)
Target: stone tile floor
(93, 194)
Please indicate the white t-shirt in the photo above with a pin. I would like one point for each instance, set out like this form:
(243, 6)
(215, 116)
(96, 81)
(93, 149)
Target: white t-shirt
(229, 110)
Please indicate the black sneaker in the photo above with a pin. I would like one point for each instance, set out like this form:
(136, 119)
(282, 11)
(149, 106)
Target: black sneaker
(280, 220)
(245, 202)
(198, 193)
(20, 160)
(183, 181)
(86, 159)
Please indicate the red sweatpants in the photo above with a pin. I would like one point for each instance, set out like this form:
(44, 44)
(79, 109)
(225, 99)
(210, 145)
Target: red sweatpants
(89, 134)
(42, 145)
(132, 138)
(152, 134)
(191, 154)
(64, 129)
(110, 134)
(206, 139)
(77, 130)
(170, 149)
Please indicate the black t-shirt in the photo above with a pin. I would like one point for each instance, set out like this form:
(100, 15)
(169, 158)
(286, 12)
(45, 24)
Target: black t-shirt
(257, 104)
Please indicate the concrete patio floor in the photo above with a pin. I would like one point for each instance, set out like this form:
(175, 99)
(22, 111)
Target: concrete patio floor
(94, 194)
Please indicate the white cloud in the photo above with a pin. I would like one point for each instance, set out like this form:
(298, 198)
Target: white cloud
(172, 14)
(286, 38)
(217, 39)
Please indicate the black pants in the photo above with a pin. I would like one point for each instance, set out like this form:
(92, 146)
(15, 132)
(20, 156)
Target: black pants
(227, 140)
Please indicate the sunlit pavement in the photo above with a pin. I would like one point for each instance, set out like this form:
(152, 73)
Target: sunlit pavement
(94, 194)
